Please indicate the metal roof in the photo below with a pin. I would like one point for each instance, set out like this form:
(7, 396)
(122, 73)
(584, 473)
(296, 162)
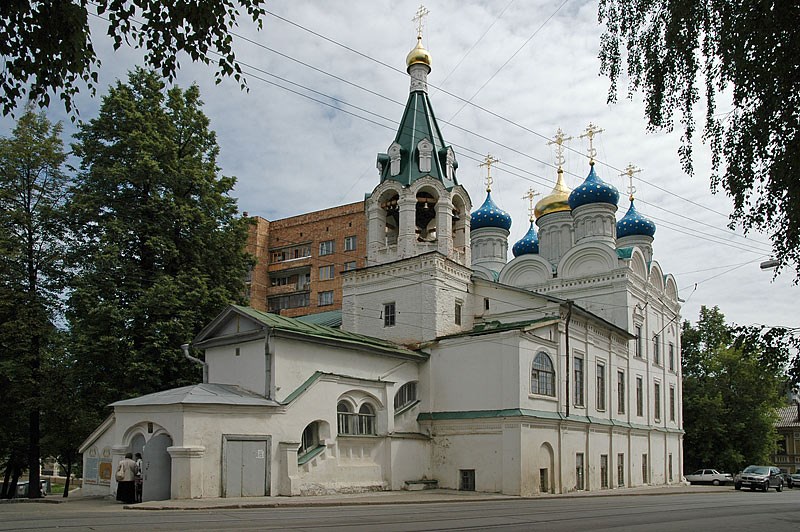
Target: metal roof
(201, 394)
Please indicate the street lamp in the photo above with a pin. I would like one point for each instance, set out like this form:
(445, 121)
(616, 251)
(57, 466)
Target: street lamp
(769, 264)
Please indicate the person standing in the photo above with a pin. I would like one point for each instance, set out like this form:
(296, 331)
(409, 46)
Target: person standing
(126, 477)
(138, 476)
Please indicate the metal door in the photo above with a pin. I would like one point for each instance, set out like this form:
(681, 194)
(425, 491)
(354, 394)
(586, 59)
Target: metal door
(157, 465)
(246, 464)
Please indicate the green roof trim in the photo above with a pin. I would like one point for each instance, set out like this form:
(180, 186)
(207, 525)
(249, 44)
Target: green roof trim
(303, 387)
(322, 332)
(491, 327)
(310, 454)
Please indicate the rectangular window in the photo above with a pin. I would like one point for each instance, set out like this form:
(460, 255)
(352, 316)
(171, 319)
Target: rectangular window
(485, 303)
(656, 350)
(275, 304)
(671, 356)
(350, 265)
(657, 398)
(458, 312)
(603, 470)
(601, 386)
(639, 398)
(578, 375)
(672, 403)
(620, 392)
(326, 273)
(620, 470)
(291, 253)
(325, 298)
(350, 243)
(326, 248)
(637, 349)
(644, 469)
(579, 485)
(388, 315)
(467, 482)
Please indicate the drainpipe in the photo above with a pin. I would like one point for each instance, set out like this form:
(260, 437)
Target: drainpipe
(185, 348)
(566, 346)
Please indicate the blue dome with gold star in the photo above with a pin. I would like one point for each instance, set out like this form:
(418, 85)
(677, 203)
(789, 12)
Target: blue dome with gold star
(593, 190)
(634, 223)
(528, 244)
(490, 215)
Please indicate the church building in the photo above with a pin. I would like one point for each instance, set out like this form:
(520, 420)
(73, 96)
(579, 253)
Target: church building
(450, 366)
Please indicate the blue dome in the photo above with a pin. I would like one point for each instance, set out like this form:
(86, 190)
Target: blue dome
(528, 244)
(593, 190)
(490, 215)
(634, 223)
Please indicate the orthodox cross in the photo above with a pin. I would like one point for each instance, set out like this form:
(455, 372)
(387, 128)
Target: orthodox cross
(559, 140)
(590, 132)
(488, 164)
(629, 171)
(529, 196)
(422, 12)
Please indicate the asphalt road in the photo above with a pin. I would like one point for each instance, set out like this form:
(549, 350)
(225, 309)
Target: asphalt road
(733, 510)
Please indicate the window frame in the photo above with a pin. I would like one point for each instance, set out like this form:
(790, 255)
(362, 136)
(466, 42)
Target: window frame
(350, 265)
(458, 307)
(620, 392)
(637, 345)
(350, 243)
(327, 247)
(639, 396)
(545, 375)
(657, 350)
(405, 396)
(672, 402)
(578, 374)
(601, 386)
(389, 314)
(657, 401)
(325, 298)
(329, 272)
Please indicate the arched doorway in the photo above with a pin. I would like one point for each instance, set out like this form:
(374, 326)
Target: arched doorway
(157, 466)
(546, 462)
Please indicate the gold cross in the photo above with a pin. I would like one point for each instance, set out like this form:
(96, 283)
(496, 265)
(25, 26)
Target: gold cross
(590, 132)
(629, 171)
(422, 12)
(488, 164)
(559, 140)
(529, 196)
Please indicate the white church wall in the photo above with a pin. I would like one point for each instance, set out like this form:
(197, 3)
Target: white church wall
(475, 445)
(243, 364)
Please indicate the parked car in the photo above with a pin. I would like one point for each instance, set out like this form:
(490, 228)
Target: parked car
(709, 476)
(795, 479)
(787, 480)
(763, 477)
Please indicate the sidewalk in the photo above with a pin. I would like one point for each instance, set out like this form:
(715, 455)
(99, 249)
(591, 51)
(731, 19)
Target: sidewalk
(433, 496)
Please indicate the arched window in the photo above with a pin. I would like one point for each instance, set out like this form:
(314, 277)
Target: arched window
(355, 423)
(406, 395)
(309, 440)
(543, 376)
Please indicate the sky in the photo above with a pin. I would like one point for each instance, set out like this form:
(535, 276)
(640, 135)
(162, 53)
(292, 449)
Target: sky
(327, 86)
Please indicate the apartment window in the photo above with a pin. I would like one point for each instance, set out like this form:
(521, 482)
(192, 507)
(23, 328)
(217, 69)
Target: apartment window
(620, 470)
(406, 395)
(601, 386)
(620, 392)
(644, 469)
(457, 316)
(326, 272)
(325, 298)
(656, 350)
(657, 397)
(388, 315)
(603, 470)
(578, 375)
(276, 304)
(672, 403)
(639, 398)
(638, 345)
(326, 248)
(350, 243)
(579, 484)
(543, 376)
(671, 356)
(350, 265)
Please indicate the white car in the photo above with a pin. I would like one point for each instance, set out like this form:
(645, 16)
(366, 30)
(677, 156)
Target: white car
(709, 476)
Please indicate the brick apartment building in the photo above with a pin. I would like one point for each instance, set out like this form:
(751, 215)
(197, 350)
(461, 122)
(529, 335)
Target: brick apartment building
(299, 260)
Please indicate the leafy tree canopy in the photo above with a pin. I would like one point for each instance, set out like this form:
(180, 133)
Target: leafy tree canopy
(678, 51)
(734, 378)
(161, 247)
(47, 45)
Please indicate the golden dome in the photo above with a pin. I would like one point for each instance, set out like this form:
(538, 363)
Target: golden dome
(418, 55)
(556, 201)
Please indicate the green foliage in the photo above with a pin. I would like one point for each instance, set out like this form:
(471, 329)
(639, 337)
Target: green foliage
(679, 50)
(33, 192)
(161, 246)
(733, 381)
(47, 46)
